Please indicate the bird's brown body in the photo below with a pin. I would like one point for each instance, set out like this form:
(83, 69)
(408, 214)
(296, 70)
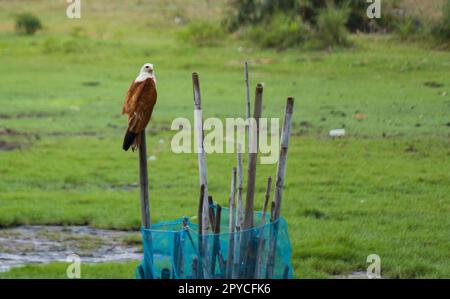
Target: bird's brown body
(139, 103)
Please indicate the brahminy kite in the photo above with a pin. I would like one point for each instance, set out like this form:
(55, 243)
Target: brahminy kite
(139, 103)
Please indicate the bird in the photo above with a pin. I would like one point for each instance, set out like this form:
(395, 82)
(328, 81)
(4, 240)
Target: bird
(139, 102)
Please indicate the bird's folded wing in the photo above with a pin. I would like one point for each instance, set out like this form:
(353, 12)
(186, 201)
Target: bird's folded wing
(141, 105)
(133, 94)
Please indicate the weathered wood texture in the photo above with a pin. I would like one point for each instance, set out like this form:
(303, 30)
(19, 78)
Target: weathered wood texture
(201, 252)
(252, 160)
(281, 169)
(200, 149)
(261, 238)
(247, 101)
(279, 185)
(232, 223)
(143, 178)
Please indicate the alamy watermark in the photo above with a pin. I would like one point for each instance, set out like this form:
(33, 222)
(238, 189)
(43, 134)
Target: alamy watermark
(374, 9)
(73, 10)
(227, 138)
(374, 269)
(74, 268)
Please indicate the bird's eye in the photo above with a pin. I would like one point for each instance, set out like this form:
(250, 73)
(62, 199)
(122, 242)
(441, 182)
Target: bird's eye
(147, 67)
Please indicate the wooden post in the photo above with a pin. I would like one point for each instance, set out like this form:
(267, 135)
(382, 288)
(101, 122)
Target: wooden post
(211, 213)
(143, 182)
(178, 257)
(266, 200)
(232, 223)
(201, 169)
(143, 178)
(262, 240)
(201, 151)
(239, 217)
(252, 160)
(247, 103)
(240, 183)
(216, 252)
(279, 185)
(201, 252)
(281, 169)
(248, 242)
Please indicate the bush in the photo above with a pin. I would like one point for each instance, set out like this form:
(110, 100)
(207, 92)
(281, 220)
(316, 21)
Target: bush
(28, 23)
(331, 29)
(409, 28)
(441, 30)
(281, 32)
(202, 34)
(250, 12)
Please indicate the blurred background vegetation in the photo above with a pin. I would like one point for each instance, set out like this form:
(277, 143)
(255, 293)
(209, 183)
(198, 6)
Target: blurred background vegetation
(310, 24)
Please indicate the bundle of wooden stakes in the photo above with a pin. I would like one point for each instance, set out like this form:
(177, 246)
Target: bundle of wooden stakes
(245, 244)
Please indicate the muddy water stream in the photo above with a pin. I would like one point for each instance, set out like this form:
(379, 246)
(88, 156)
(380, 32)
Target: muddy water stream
(43, 244)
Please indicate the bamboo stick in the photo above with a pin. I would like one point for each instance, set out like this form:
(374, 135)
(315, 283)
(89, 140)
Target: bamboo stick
(247, 103)
(201, 151)
(211, 212)
(232, 223)
(195, 267)
(272, 211)
(286, 272)
(186, 230)
(239, 217)
(216, 247)
(262, 240)
(240, 176)
(178, 257)
(248, 242)
(270, 254)
(266, 200)
(201, 167)
(281, 170)
(252, 160)
(279, 185)
(200, 233)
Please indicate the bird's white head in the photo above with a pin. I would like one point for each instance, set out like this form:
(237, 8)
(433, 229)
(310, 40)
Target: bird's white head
(147, 68)
(147, 71)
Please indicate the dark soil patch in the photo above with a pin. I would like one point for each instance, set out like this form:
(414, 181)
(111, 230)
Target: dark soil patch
(39, 114)
(411, 149)
(91, 83)
(314, 214)
(10, 132)
(131, 186)
(338, 113)
(433, 84)
(14, 133)
(9, 146)
(72, 134)
(305, 124)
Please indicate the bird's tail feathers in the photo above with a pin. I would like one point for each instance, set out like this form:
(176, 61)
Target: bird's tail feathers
(128, 140)
(136, 143)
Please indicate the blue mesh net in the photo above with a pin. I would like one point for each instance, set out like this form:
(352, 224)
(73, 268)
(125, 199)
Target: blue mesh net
(172, 251)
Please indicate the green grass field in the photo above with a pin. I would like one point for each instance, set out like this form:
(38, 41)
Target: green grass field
(382, 189)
